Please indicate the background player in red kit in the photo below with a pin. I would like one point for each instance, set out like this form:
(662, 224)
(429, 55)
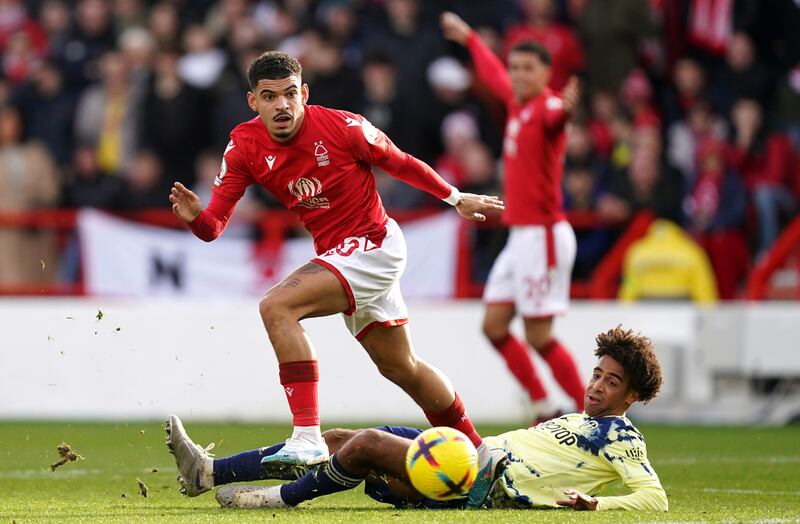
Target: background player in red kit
(316, 161)
(531, 276)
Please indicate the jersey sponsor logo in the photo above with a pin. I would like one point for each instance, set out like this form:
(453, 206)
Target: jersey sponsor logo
(635, 454)
(270, 161)
(559, 432)
(322, 154)
(307, 191)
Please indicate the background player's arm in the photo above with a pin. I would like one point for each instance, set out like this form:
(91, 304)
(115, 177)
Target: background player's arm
(559, 110)
(490, 69)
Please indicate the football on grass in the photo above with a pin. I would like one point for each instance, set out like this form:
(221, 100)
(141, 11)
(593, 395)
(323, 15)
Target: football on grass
(442, 463)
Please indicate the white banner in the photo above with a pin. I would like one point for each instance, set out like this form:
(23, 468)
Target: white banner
(122, 258)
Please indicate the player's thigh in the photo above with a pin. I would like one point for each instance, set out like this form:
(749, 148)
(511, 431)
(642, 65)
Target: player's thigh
(309, 291)
(389, 347)
(385, 452)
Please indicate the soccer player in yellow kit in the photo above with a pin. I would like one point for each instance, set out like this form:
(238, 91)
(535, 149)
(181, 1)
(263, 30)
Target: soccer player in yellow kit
(565, 461)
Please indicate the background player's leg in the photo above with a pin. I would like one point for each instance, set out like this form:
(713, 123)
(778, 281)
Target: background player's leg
(496, 321)
(310, 291)
(390, 349)
(538, 331)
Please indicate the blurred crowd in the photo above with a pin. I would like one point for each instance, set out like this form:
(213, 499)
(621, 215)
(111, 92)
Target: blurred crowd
(691, 108)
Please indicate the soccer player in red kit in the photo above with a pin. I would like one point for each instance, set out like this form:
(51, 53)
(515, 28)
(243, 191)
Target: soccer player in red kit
(316, 161)
(531, 276)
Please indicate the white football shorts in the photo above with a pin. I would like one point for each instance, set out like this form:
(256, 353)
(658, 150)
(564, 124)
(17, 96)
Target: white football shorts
(370, 275)
(523, 276)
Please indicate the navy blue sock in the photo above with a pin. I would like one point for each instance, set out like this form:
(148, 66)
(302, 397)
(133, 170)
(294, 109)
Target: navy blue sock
(328, 479)
(243, 467)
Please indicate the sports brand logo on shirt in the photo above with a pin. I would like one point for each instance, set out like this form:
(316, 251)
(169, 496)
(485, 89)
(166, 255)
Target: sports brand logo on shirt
(270, 161)
(306, 192)
(322, 154)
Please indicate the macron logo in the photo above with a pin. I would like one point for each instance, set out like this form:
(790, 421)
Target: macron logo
(270, 161)
(352, 123)
(289, 391)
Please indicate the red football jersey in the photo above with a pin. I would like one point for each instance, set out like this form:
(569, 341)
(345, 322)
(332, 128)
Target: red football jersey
(323, 174)
(533, 147)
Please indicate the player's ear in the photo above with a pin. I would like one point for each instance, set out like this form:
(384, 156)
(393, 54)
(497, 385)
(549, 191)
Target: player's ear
(631, 397)
(251, 101)
(304, 92)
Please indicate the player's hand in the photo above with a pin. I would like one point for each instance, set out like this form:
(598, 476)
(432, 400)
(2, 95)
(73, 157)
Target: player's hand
(185, 204)
(455, 28)
(571, 94)
(473, 207)
(578, 501)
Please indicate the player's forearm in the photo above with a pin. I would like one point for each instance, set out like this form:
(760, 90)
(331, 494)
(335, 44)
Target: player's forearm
(211, 222)
(416, 173)
(649, 498)
(490, 69)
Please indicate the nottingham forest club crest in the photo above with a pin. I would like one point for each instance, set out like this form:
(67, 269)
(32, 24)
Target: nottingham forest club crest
(306, 191)
(322, 154)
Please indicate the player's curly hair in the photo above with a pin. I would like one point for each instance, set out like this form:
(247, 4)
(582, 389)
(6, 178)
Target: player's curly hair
(272, 65)
(636, 355)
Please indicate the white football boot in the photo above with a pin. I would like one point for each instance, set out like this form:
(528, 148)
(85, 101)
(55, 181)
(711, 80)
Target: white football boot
(250, 497)
(195, 464)
(305, 449)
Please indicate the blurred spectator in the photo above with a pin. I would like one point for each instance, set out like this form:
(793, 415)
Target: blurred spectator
(341, 23)
(201, 64)
(603, 108)
(410, 40)
(138, 46)
(128, 14)
(175, 120)
(559, 40)
(229, 106)
(647, 184)
(636, 94)
(55, 18)
(15, 23)
(28, 181)
(581, 151)
(144, 185)
(107, 115)
(459, 130)
(48, 111)
(767, 163)
(581, 194)
(684, 135)
(223, 16)
(787, 109)
(87, 186)
(716, 213)
(740, 76)
(20, 57)
(687, 87)
(164, 25)
(611, 32)
(667, 265)
(330, 82)
(89, 39)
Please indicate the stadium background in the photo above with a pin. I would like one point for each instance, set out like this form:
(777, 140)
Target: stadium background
(112, 316)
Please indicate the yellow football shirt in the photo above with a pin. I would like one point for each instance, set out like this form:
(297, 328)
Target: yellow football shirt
(578, 452)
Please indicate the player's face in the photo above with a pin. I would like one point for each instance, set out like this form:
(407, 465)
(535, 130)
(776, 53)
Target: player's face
(608, 392)
(529, 75)
(280, 104)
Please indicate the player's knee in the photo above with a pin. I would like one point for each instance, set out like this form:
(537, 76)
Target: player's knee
(364, 444)
(273, 311)
(496, 333)
(400, 372)
(336, 438)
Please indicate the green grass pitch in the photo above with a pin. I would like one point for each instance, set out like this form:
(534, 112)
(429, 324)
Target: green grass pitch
(710, 474)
